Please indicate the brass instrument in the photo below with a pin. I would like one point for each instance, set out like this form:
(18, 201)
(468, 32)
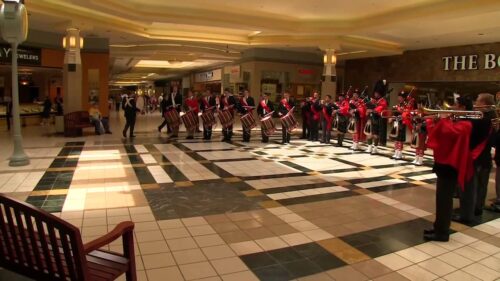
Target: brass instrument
(470, 114)
(485, 107)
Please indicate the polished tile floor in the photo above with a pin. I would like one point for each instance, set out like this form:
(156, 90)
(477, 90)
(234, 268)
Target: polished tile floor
(249, 211)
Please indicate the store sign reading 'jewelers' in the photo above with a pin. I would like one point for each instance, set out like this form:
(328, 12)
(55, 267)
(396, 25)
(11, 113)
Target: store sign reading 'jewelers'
(471, 62)
(25, 56)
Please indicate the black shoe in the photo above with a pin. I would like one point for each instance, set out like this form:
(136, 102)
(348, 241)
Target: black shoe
(132, 136)
(109, 133)
(159, 129)
(428, 231)
(436, 237)
(190, 138)
(494, 207)
(124, 134)
(173, 136)
(478, 213)
(459, 219)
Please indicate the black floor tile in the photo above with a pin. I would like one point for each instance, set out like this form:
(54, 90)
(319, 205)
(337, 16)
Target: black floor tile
(258, 260)
(285, 255)
(273, 273)
(327, 261)
(300, 268)
(319, 197)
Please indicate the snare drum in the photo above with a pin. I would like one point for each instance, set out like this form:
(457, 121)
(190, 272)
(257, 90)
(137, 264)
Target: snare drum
(288, 121)
(248, 121)
(267, 125)
(208, 118)
(190, 120)
(172, 117)
(226, 118)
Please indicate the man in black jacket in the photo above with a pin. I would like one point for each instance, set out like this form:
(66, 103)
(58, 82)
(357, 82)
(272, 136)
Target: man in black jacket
(284, 107)
(128, 106)
(228, 102)
(246, 105)
(207, 102)
(265, 107)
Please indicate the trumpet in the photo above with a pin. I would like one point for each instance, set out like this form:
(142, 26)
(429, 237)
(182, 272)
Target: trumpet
(485, 107)
(470, 114)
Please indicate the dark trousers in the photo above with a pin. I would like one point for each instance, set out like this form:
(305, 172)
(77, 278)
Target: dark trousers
(473, 197)
(130, 124)
(246, 134)
(327, 133)
(163, 124)
(305, 128)
(314, 135)
(445, 187)
(227, 133)
(117, 106)
(207, 132)
(383, 132)
(285, 136)
(264, 137)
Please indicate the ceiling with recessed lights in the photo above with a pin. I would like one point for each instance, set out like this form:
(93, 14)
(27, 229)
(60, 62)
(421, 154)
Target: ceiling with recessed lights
(166, 37)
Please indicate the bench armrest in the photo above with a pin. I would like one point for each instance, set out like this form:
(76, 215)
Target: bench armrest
(122, 229)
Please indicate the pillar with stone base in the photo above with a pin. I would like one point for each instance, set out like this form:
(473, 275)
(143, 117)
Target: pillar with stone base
(72, 72)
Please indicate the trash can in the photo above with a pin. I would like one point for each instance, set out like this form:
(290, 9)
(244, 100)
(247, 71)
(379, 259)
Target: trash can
(59, 124)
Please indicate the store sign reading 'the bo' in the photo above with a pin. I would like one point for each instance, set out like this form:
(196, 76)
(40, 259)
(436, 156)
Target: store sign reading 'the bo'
(25, 56)
(471, 62)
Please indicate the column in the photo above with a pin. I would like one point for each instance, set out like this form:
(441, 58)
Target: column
(72, 72)
(329, 83)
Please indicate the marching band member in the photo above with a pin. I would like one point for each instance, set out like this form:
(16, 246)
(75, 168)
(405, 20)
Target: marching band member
(315, 117)
(130, 109)
(419, 137)
(284, 107)
(328, 108)
(247, 104)
(473, 195)
(378, 104)
(358, 111)
(306, 116)
(207, 102)
(228, 102)
(265, 107)
(402, 117)
(174, 102)
(342, 113)
(192, 105)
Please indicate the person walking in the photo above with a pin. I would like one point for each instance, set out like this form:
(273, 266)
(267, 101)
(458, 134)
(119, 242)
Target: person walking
(128, 105)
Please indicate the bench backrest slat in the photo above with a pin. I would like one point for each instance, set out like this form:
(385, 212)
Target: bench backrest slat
(38, 244)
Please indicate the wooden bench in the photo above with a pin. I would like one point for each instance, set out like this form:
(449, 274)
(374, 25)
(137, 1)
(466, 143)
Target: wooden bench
(74, 122)
(42, 246)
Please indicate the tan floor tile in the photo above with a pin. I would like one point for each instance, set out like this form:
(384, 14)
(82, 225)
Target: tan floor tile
(271, 243)
(189, 256)
(269, 220)
(146, 226)
(392, 277)
(209, 240)
(168, 273)
(195, 221)
(416, 272)
(213, 219)
(94, 221)
(493, 240)
(248, 224)
(233, 179)
(94, 230)
(245, 248)
(174, 233)
(197, 270)
(182, 244)
(149, 236)
(371, 268)
(142, 217)
(437, 267)
(475, 233)
(269, 204)
(150, 186)
(218, 252)
(346, 273)
(252, 193)
(169, 224)
(317, 277)
(240, 276)
(281, 229)
(183, 184)
(235, 237)
(158, 260)
(154, 247)
(223, 227)
(117, 219)
(239, 216)
(229, 265)
(201, 230)
(259, 233)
